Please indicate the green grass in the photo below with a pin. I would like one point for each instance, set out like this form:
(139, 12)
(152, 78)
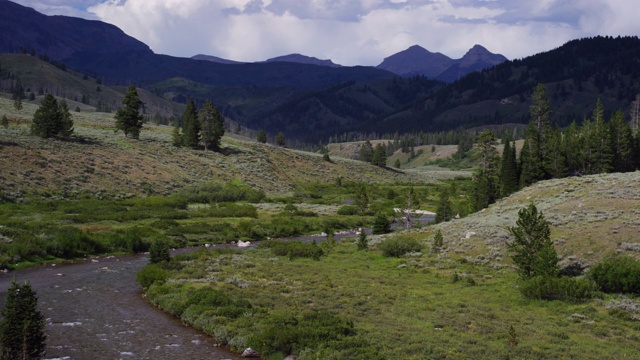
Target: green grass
(405, 308)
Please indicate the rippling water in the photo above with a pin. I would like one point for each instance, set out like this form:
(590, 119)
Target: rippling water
(94, 310)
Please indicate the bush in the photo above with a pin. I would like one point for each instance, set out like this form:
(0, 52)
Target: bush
(159, 251)
(292, 249)
(381, 224)
(617, 274)
(287, 334)
(150, 275)
(348, 210)
(558, 288)
(397, 247)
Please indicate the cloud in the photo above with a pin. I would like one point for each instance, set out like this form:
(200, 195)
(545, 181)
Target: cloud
(353, 32)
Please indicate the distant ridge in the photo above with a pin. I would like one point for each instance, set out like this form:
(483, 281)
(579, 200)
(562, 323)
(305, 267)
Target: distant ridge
(417, 60)
(303, 59)
(215, 59)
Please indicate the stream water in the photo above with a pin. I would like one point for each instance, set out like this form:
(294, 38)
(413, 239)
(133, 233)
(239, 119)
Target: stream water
(94, 310)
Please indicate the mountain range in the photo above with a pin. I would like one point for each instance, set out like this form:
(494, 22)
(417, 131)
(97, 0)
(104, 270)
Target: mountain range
(312, 99)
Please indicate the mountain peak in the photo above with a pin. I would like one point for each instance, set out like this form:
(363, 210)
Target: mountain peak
(416, 60)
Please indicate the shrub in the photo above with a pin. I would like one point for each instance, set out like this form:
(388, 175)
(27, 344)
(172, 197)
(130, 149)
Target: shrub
(558, 288)
(381, 224)
(348, 210)
(159, 251)
(397, 247)
(151, 274)
(70, 242)
(617, 274)
(288, 334)
(292, 249)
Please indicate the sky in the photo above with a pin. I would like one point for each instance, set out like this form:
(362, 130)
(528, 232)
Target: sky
(352, 32)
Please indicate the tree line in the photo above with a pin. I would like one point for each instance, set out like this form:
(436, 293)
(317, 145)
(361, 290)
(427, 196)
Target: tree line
(598, 145)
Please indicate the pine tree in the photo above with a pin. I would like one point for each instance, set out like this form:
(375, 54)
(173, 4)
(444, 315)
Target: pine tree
(176, 136)
(363, 243)
(66, 122)
(17, 104)
(381, 224)
(190, 126)
(599, 155)
(557, 155)
(485, 177)
(622, 144)
(212, 126)
(444, 211)
(379, 157)
(280, 139)
(438, 242)
(366, 152)
(508, 170)
(362, 198)
(261, 137)
(4, 121)
(574, 149)
(22, 327)
(128, 117)
(532, 249)
(47, 120)
(536, 165)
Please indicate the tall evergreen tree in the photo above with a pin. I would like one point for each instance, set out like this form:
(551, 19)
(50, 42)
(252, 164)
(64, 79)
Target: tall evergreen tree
(22, 327)
(212, 126)
(508, 170)
(557, 155)
(190, 126)
(599, 155)
(621, 143)
(379, 157)
(128, 117)
(574, 149)
(485, 177)
(47, 120)
(366, 152)
(66, 122)
(444, 212)
(536, 165)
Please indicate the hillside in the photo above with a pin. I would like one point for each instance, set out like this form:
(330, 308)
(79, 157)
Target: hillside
(87, 93)
(103, 164)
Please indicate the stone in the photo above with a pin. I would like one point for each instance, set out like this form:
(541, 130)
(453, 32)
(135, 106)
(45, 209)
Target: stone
(250, 353)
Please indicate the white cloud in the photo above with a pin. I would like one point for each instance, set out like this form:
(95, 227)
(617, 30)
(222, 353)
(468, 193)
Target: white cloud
(353, 32)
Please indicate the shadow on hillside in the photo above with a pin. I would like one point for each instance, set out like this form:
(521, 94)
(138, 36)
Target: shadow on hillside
(8, 143)
(227, 151)
(397, 171)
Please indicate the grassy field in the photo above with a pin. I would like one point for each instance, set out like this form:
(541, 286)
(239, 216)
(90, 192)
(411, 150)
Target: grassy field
(456, 304)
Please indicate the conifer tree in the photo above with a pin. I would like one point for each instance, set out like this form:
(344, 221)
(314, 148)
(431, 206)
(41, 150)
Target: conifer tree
(17, 104)
(22, 327)
(599, 155)
(47, 120)
(362, 198)
(280, 139)
(485, 177)
(176, 136)
(508, 170)
(4, 121)
(212, 126)
(128, 117)
(574, 149)
(557, 155)
(536, 165)
(379, 157)
(363, 243)
(438, 242)
(444, 212)
(261, 137)
(622, 144)
(66, 122)
(190, 126)
(366, 152)
(532, 250)
(381, 224)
